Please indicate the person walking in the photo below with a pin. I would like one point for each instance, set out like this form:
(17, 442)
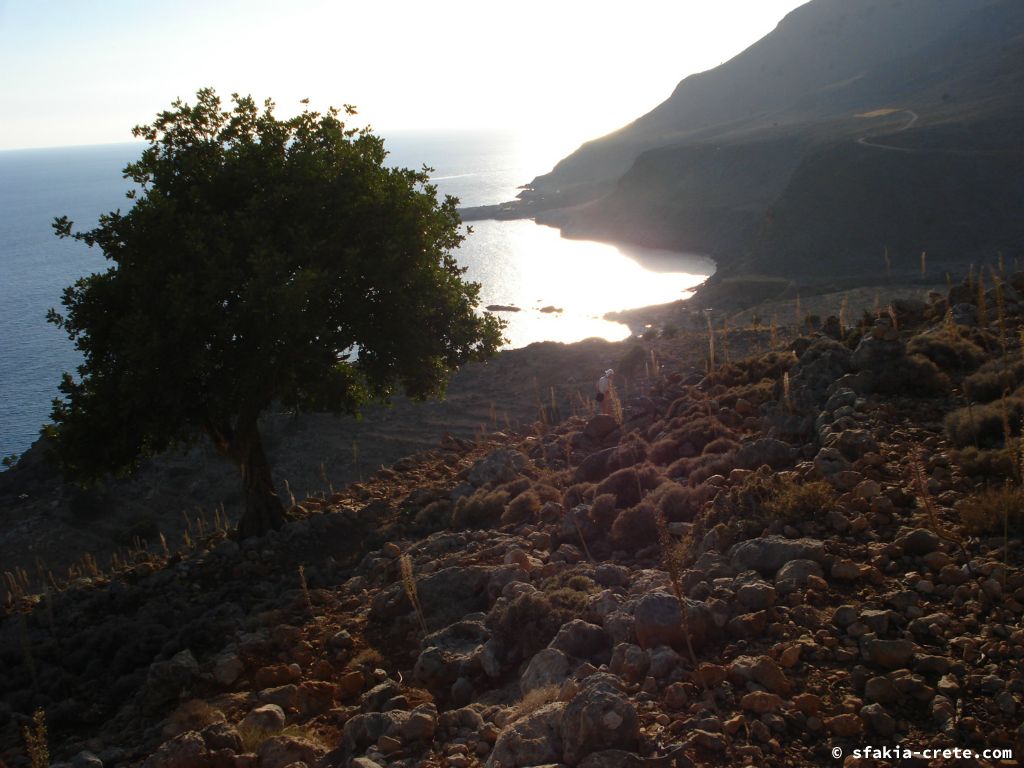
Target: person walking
(604, 392)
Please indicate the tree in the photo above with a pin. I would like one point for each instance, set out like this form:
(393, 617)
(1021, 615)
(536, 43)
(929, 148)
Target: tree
(264, 262)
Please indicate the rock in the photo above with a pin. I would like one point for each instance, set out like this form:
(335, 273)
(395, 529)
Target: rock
(878, 720)
(881, 689)
(268, 718)
(283, 696)
(766, 450)
(756, 595)
(761, 702)
(664, 661)
(768, 554)
(600, 426)
(845, 726)
(184, 751)
(795, 574)
(845, 570)
(599, 717)
(275, 675)
(421, 725)
(763, 670)
(350, 685)
(807, 703)
(282, 751)
(658, 621)
(500, 466)
(222, 736)
(583, 640)
(630, 662)
(166, 681)
(919, 541)
(86, 759)
(676, 696)
(227, 668)
(549, 666)
(891, 654)
(533, 740)
(612, 758)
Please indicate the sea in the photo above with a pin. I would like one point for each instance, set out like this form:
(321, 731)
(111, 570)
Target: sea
(562, 288)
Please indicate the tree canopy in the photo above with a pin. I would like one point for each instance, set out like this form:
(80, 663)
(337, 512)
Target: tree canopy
(264, 262)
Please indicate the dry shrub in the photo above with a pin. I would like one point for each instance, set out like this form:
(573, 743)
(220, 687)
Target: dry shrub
(536, 699)
(481, 510)
(630, 484)
(993, 379)
(721, 445)
(752, 370)
(193, 715)
(681, 503)
(515, 487)
(946, 351)
(522, 626)
(547, 493)
(699, 468)
(635, 528)
(368, 657)
(437, 514)
(688, 439)
(578, 494)
(998, 463)
(793, 502)
(603, 511)
(629, 452)
(984, 512)
(982, 425)
(522, 508)
(913, 375)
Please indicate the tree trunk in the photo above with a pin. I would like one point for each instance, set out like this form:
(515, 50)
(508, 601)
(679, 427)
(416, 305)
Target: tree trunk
(263, 509)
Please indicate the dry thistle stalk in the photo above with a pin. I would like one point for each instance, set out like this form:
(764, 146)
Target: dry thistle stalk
(888, 262)
(409, 583)
(774, 334)
(671, 559)
(924, 263)
(711, 346)
(843, 307)
(925, 498)
(305, 588)
(36, 741)
(785, 391)
(799, 312)
(982, 304)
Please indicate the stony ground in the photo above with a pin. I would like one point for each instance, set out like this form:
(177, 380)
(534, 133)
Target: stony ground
(809, 550)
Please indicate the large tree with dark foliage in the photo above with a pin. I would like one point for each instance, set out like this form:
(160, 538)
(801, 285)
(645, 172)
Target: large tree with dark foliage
(264, 262)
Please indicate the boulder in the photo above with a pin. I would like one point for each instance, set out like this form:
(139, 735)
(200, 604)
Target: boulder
(768, 554)
(500, 466)
(598, 718)
(766, 450)
(283, 751)
(268, 718)
(600, 426)
(583, 640)
(794, 575)
(184, 751)
(658, 620)
(532, 740)
(547, 667)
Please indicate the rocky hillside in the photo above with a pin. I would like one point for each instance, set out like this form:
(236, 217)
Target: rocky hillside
(854, 128)
(812, 547)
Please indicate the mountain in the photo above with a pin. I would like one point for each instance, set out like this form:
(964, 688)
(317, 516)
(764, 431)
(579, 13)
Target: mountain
(855, 128)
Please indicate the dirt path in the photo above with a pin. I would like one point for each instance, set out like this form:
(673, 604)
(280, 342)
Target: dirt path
(865, 141)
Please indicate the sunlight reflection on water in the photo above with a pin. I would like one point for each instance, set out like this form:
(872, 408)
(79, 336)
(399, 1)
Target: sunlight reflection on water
(519, 263)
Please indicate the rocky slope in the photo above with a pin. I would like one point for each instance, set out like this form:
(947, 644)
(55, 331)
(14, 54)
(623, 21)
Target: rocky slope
(856, 127)
(802, 551)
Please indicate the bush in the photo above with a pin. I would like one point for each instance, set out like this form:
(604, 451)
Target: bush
(578, 494)
(689, 438)
(437, 514)
(793, 502)
(993, 379)
(751, 370)
(603, 511)
(984, 512)
(522, 508)
(998, 463)
(720, 445)
(629, 485)
(524, 625)
(635, 528)
(982, 425)
(681, 503)
(947, 351)
(481, 510)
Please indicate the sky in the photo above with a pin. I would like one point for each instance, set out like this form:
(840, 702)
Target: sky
(85, 71)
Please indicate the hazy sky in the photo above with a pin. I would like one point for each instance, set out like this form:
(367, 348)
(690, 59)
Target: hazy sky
(86, 71)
